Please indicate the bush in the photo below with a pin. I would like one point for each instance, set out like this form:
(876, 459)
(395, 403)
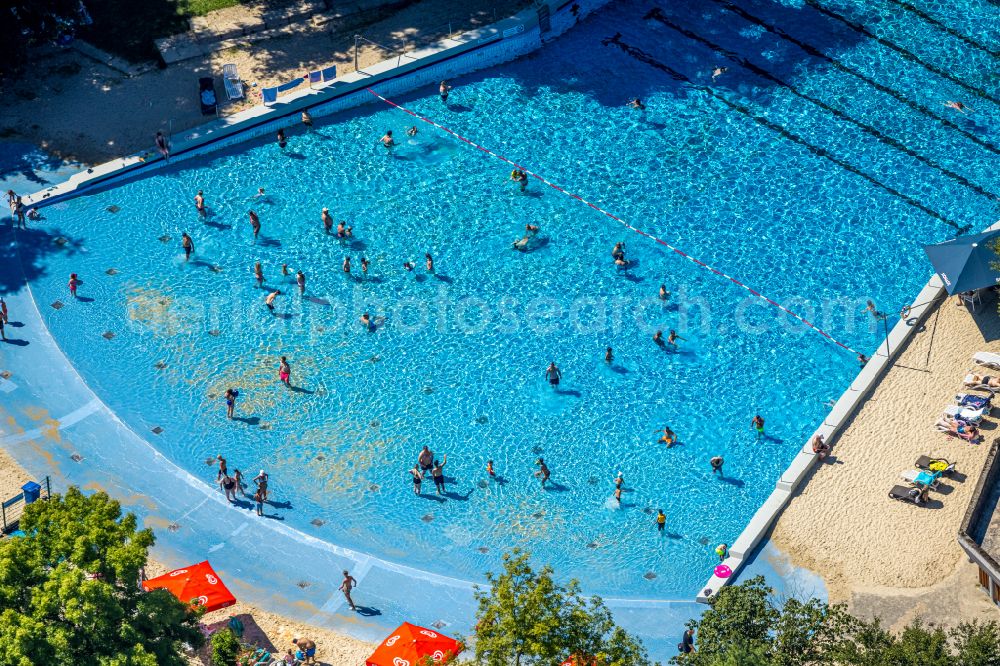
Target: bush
(225, 647)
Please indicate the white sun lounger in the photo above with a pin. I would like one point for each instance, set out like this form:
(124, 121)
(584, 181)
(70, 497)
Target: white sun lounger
(966, 414)
(989, 359)
(231, 79)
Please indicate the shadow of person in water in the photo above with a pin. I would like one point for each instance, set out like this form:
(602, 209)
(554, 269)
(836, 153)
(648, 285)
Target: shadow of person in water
(249, 420)
(366, 611)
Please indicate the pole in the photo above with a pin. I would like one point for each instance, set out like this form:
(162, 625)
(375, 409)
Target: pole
(357, 38)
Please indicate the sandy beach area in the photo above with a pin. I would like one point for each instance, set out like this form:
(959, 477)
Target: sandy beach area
(82, 110)
(883, 556)
(261, 628)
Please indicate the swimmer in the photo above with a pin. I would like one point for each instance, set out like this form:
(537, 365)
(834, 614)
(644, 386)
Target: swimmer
(719, 71)
(673, 338)
(255, 223)
(553, 375)
(489, 469)
(543, 471)
(532, 228)
(758, 424)
(870, 307)
(520, 176)
(300, 279)
(260, 193)
(619, 480)
(187, 244)
(722, 550)
(958, 106)
(285, 372)
(199, 203)
(387, 139)
(444, 89)
(437, 473)
(327, 220)
(636, 103)
(621, 262)
(430, 262)
(408, 265)
(74, 282)
(521, 244)
(664, 294)
(609, 356)
(658, 338)
(284, 270)
(364, 266)
(307, 120)
(231, 395)
(366, 321)
(258, 273)
(418, 477)
(33, 214)
(425, 459)
(347, 264)
(661, 520)
(668, 437)
(282, 141)
(863, 360)
(618, 251)
(341, 229)
(269, 301)
(716, 464)
(412, 131)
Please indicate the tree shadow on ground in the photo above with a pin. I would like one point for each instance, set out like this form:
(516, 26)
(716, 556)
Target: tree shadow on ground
(28, 250)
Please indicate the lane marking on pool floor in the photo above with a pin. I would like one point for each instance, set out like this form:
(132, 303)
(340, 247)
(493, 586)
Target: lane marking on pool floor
(614, 217)
(70, 419)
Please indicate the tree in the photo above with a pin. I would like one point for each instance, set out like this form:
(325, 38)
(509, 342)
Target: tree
(745, 627)
(26, 22)
(528, 618)
(69, 590)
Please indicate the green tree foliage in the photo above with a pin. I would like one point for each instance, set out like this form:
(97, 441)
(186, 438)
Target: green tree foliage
(69, 591)
(225, 647)
(745, 627)
(527, 618)
(26, 22)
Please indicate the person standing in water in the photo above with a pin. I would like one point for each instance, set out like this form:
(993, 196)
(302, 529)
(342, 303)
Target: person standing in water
(223, 468)
(758, 425)
(327, 220)
(543, 472)
(346, 586)
(307, 120)
(430, 262)
(231, 395)
(673, 338)
(489, 469)
(255, 223)
(364, 266)
(269, 300)
(199, 203)
(282, 141)
(188, 245)
(347, 264)
(300, 279)
(553, 374)
(443, 90)
(258, 274)
(716, 464)
(285, 372)
(661, 520)
(609, 356)
(387, 139)
(437, 473)
(74, 282)
(418, 477)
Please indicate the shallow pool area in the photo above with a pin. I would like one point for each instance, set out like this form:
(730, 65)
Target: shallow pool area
(812, 169)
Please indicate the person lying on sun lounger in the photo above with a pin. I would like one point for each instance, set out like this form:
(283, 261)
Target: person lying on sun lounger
(982, 380)
(969, 433)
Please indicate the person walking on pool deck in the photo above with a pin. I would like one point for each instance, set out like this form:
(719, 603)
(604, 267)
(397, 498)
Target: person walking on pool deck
(231, 395)
(188, 245)
(437, 473)
(285, 372)
(348, 584)
(716, 464)
(543, 471)
(306, 648)
(163, 146)
(758, 425)
(553, 375)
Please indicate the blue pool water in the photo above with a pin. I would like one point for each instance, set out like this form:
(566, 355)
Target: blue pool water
(812, 173)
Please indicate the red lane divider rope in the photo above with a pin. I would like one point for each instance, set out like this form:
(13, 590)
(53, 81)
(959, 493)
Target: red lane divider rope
(616, 219)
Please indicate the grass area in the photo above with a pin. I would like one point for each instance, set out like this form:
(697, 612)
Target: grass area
(128, 27)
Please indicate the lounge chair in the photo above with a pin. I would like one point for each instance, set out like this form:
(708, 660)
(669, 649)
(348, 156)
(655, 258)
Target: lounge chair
(920, 477)
(974, 401)
(909, 495)
(206, 95)
(260, 657)
(935, 465)
(231, 78)
(967, 414)
(989, 359)
(982, 385)
(329, 74)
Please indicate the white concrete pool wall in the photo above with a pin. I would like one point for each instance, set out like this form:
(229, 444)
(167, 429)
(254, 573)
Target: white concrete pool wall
(468, 52)
(841, 413)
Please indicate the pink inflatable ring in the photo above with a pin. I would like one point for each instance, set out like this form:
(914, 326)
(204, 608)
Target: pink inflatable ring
(723, 571)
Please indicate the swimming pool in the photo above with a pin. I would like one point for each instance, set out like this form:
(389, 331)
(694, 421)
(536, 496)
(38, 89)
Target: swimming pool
(805, 179)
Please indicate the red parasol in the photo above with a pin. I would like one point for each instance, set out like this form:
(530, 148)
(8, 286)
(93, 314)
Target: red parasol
(196, 584)
(409, 644)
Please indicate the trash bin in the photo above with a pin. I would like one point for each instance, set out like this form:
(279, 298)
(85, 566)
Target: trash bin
(31, 491)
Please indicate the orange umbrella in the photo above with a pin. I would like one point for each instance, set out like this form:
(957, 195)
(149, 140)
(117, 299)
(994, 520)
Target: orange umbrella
(196, 584)
(409, 644)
